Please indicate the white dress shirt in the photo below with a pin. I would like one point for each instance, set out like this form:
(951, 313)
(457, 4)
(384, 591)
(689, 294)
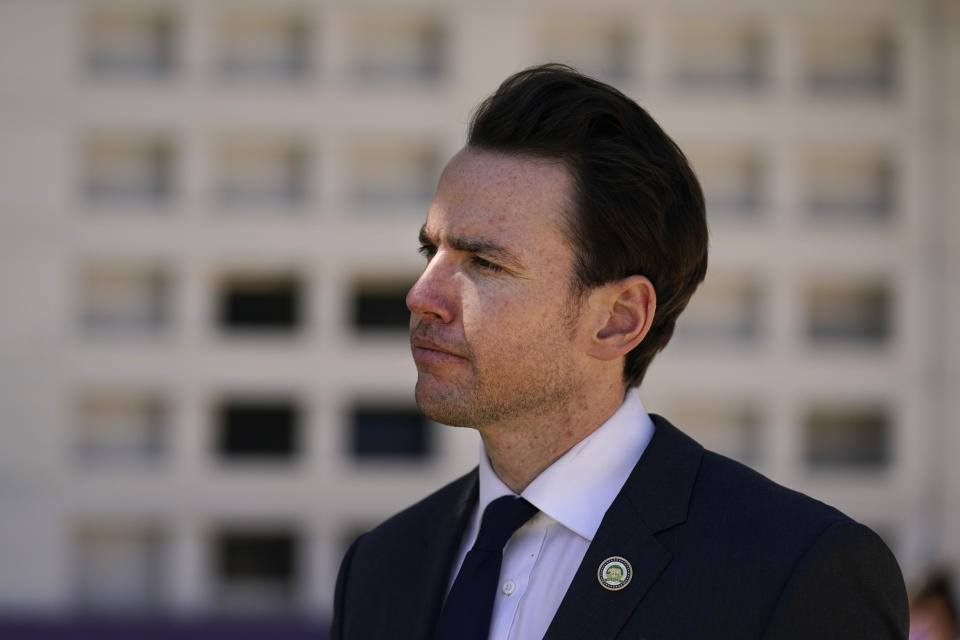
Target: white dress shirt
(572, 494)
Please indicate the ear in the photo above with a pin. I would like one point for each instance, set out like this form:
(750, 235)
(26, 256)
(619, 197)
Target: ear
(625, 312)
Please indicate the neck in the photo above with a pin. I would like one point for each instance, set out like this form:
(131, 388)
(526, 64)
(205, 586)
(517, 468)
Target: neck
(521, 448)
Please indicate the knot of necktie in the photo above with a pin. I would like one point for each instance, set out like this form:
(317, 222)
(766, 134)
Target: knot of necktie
(501, 519)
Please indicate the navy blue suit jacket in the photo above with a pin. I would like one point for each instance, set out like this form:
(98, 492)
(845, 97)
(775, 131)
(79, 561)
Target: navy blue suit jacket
(718, 552)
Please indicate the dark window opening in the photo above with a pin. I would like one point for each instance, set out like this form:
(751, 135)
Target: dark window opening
(380, 306)
(128, 171)
(256, 176)
(731, 61)
(851, 315)
(257, 557)
(869, 69)
(125, 45)
(384, 432)
(269, 304)
(249, 429)
(255, 47)
(847, 437)
(404, 51)
(862, 191)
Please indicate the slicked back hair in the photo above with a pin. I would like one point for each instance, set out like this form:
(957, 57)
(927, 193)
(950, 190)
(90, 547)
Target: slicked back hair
(639, 208)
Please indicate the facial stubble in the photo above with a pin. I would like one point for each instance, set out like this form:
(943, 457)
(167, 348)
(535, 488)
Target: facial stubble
(542, 380)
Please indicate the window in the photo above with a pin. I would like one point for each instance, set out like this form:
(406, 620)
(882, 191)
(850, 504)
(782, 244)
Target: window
(840, 437)
(725, 311)
(253, 173)
(260, 303)
(716, 56)
(850, 186)
(119, 568)
(385, 176)
(850, 59)
(392, 432)
(256, 569)
(734, 182)
(267, 45)
(121, 427)
(257, 429)
(380, 305)
(130, 42)
(124, 300)
(398, 49)
(128, 170)
(855, 313)
(598, 47)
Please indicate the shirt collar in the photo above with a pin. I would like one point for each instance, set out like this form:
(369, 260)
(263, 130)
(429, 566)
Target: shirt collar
(578, 488)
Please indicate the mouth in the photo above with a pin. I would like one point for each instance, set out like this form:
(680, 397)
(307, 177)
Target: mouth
(428, 351)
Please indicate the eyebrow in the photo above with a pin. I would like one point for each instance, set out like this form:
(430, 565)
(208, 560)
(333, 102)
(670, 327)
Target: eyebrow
(482, 247)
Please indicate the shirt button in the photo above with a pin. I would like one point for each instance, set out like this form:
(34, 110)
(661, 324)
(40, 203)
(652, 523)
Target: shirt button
(509, 587)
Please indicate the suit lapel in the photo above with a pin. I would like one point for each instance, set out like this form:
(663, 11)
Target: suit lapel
(440, 540)
(588, 610)
(655, 497)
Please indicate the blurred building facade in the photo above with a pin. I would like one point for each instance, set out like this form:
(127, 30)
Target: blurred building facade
(209, 219)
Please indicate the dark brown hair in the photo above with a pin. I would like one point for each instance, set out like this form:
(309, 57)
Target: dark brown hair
(638, 206)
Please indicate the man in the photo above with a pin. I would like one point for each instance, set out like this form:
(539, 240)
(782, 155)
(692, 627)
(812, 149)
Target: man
(562, 243)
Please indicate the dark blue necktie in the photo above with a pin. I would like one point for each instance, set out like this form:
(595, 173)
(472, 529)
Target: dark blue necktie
(466, 613)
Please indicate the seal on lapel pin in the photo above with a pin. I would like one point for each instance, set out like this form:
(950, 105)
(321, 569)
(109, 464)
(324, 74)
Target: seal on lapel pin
(614, 573)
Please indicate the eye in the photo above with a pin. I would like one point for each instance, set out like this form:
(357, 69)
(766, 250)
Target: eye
(427, 251)
(486, 265)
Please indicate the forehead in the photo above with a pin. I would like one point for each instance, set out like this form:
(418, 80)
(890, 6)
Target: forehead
(500, 196)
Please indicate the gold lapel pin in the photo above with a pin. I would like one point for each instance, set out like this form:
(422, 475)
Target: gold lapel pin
(614, 573)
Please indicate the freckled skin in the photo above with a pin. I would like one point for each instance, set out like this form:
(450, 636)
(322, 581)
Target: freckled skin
(523, 377)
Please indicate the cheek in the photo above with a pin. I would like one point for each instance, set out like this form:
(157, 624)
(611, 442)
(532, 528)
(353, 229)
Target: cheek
(510, 326)
(484, 319)
(492, 322)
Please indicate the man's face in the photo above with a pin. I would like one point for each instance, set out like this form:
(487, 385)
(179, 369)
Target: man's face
(494, 324)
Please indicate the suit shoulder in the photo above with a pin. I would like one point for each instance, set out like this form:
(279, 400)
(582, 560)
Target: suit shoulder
(847, 585)
(784, 512)
(737, 487)
(813, 570)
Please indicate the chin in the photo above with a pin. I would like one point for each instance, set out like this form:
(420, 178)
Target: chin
(439, 406)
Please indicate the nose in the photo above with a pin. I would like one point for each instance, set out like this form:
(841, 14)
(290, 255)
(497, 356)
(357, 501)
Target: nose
(431, 297)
